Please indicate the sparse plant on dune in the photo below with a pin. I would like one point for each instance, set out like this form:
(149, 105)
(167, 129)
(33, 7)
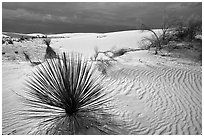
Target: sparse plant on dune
(50, 53)
(67, 96)
(103, 65)
(106, 53)
(158, 42)
(149, 42)
(10, 41)
(22, 39)
(3, 41)
(120, 52)
(188, 29)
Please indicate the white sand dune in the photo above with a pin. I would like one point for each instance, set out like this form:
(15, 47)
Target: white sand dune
(158, 99)
(68, 35)
(86, 42)
(152, 94)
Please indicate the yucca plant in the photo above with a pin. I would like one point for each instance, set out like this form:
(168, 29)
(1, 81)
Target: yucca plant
(50, 53)
(66, 96)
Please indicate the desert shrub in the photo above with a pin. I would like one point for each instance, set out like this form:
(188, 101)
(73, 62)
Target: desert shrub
(155, 40)
(10, 41)
(164, 41)
(21, 39)
(119, 52)
(27, 38)
(50, 53)
(105, 53)
(187, 29)
(3, 41)
(103, 66)
(44, 36)
(182, 34)
(67, 96)
(194, 25)
(33, 37)
(171, 46)
(149, 42)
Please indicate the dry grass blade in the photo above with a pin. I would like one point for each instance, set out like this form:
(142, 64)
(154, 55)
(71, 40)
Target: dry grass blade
(27, 57)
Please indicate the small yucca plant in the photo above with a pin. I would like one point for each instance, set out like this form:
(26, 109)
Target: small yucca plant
(50, 53)
(66, 96)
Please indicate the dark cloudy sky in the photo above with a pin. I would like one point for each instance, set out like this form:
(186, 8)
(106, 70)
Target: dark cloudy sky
(90, 17)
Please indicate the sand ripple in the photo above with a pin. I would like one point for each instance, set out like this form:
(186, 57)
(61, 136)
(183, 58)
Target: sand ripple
(150, 99)
(159, 100)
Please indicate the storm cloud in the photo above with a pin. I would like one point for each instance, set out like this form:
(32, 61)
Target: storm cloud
(59, 17)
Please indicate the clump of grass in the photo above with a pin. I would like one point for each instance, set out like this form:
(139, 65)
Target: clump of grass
(3, 41)
(67, 97)
(120, 52)
(103, 65)
(10, 41)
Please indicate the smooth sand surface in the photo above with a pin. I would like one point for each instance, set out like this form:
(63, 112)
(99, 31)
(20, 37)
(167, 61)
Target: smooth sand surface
(153, 94)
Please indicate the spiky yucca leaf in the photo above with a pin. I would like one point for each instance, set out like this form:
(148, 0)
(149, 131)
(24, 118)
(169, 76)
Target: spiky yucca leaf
(66, 96)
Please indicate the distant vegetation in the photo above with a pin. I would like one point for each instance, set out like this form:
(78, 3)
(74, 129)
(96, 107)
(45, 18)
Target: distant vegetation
(10, 37)
(176, 32)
